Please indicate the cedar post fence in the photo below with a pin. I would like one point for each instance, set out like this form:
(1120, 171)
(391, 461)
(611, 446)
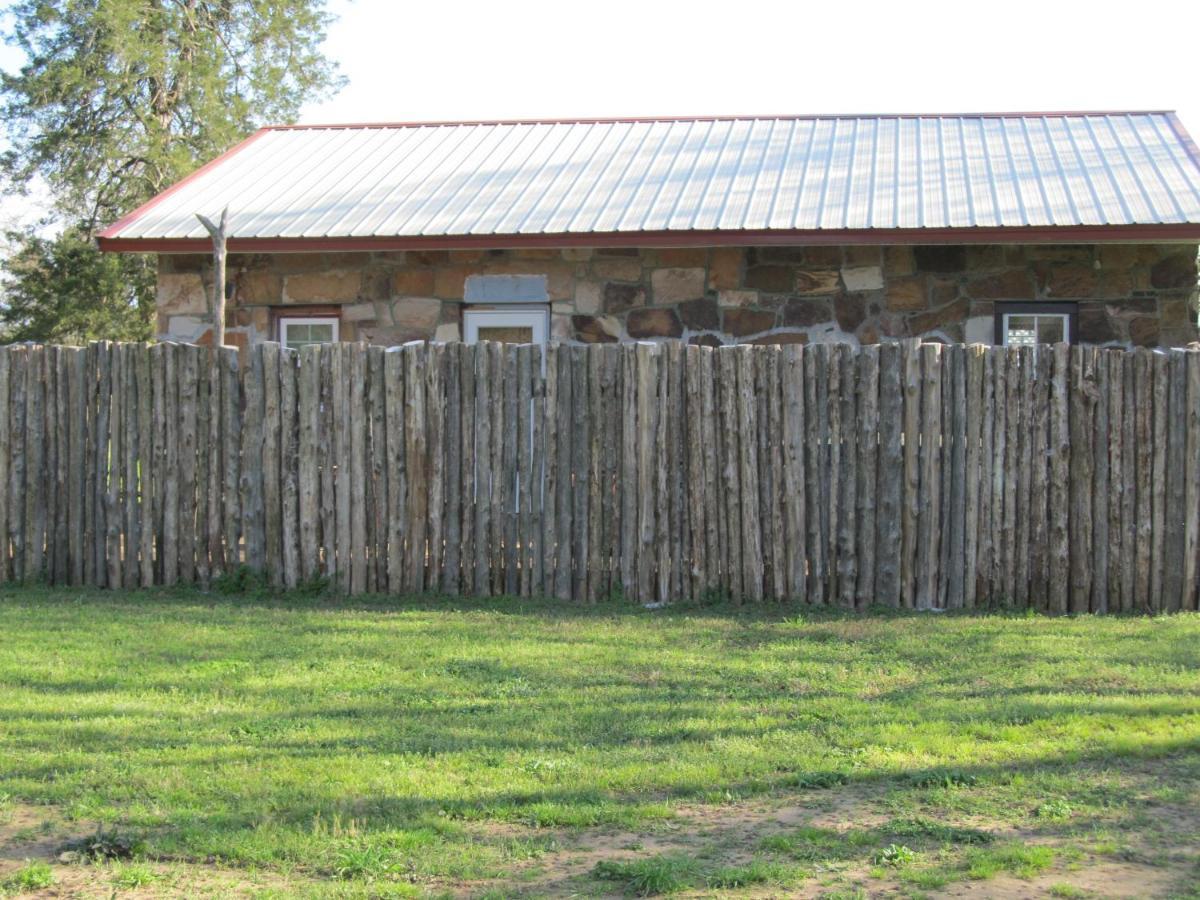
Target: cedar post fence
(1062, 479)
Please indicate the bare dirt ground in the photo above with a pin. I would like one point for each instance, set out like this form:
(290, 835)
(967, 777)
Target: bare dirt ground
(1162, 862)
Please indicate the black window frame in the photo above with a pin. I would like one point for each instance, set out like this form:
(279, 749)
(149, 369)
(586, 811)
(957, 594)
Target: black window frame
(1001, 308)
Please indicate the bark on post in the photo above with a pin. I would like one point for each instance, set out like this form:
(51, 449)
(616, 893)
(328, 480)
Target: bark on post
(217, 233)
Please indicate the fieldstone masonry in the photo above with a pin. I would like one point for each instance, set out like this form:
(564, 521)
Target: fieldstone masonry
(1141, 295)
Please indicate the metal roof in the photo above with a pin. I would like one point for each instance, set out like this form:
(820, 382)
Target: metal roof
(818, 175)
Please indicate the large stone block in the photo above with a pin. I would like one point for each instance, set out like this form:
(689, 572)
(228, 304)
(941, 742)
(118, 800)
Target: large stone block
(771, 279)
(737, 298)
(417, 314)
(700, 315)
(850, 310)
(683, 257)
(589, 298)
(742, 322)
(945, 319)
(939, 258)
(596, 329)
(413, 282)
(617, 268)
(817, 281)
(863, 278)
(1177, 271)
(450, 282)
(1012, 285)
(1068, 281)
(359, 312)
(676, 285)
(906, 294)
(725, 268)
(1096, 326)
(1144, 331)
(259, 287)
(622, 297)
(653, 323)
(181, 293)
(334, 286)
(804, 312)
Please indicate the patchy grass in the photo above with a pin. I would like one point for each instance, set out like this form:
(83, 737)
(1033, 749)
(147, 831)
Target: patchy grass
(429, 745)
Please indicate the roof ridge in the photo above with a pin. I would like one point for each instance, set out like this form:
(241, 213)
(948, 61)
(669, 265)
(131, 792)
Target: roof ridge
(607, 120)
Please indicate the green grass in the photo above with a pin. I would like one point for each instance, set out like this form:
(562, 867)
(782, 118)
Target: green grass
(32, 876)
(444, 741)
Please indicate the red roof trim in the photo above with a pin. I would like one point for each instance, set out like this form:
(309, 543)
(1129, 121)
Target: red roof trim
(129, 218)
(1079, 234)
(606, 120)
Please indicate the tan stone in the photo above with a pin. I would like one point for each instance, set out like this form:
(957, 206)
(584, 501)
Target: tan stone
(359, 312)
(1144, 331)
(617, 268)
(181, 293)
(447, 332)
(941, 319)
(589, 297)
(419, 314)
(779, 337)
(725, 268)
(259, 287)
(676, 285)
(1068, 280)
(335, 286)
(577, 254)
(1012, 285)
(382, 336)
(413, 282)
(818, 281)
(737, 298)
(536, 253)
(899, 261)
(449, 281)
(862, 255)
(863, 278)
(563, 307)
(560, 328)
(905, 294)
(825, 256)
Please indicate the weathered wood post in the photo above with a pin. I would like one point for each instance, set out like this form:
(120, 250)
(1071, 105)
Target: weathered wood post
(217, 233)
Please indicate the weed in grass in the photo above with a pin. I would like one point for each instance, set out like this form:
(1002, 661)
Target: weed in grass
(1020, 860)
(241, 580)
(102, 846)
(665, 874)
(950, 778)
(895, 855)
(916, 826)
(134, 875)
(757, 871)
(1062, 889)
(1056, 810)
(33, 876)
(363, 861)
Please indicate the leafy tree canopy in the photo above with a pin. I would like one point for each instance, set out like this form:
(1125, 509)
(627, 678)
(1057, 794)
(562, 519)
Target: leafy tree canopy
(118, 99)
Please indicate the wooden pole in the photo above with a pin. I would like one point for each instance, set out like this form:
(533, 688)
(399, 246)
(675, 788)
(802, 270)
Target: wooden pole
(217, 233)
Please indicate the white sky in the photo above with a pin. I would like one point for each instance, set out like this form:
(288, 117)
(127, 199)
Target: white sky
(521, 58)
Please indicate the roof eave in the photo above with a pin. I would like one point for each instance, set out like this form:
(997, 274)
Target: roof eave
(1188, 232)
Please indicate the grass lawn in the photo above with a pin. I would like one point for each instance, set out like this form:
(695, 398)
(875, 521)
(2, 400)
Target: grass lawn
(302, 746)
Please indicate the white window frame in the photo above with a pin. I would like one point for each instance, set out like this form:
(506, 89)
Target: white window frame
(285, 321)
(537, 320)
(1064, 317)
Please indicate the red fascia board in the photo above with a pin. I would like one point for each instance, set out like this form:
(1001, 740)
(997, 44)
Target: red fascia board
(612, 120)
(1079, 234)
(125, 220)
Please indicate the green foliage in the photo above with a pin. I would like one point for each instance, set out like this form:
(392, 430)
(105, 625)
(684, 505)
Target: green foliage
(33, 876)
(665, 874)
(134, 875)
(895, 855)
(116, 101)
(64, 290)
(1016, 859)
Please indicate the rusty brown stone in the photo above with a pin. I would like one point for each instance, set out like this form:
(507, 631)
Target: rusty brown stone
(772, 279)
(899, 261)
(942, 290)
(1175, 271)
(741, 322)
(683, 257)
(622, 297)
(826, 256)
(762, 255)
(705, 340)
(1014, 284)
(1144, 331)
(906, 294)
(868, 334)
(725, 268)
(1067, 280)
(984, 256)
(1134, 306)
(817, 281)
(596, 329)
(414, 282)
(850, 310)
(940, 319)
(863, 255)
(259, 287)
(700, 315)
(803, 312)
(653, 323)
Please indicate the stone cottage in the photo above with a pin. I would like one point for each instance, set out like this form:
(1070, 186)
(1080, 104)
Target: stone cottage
(982, 228)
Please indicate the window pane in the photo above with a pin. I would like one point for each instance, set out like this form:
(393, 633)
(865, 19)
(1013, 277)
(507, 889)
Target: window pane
(1022, 330)
(1051, 329)
(320, 333)
(507, 334)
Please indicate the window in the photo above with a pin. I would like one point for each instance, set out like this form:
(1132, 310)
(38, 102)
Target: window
(300, 331)
(1029, 324)
(510, 326)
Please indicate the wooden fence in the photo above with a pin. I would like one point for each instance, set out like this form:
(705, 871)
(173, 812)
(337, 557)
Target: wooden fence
(1064, 479)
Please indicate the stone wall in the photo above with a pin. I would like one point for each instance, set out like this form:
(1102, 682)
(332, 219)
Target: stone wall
(1128, 294)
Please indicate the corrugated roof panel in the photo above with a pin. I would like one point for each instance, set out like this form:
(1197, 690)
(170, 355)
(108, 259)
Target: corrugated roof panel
(709, 174)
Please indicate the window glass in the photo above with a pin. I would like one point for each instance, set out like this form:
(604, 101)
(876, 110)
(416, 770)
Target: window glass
(507, 335)
(297, 333)
(1030, 329)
